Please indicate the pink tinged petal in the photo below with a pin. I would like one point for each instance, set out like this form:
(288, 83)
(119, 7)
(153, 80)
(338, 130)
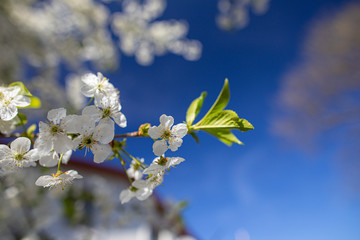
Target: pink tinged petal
(126, 195)
(179, 130)
(175, 144)
(174, 161)
(21, 101)
(160, 147)
(44, 180)
(8, 112)
(62, 143)
(155, 132)
(120, 119)
(56, 115)
(21, 145)
(101, 152)
(104, 131)
(166, 121)
(154, 168)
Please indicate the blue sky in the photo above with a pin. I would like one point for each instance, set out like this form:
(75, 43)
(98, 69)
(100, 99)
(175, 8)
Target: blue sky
(266, 187)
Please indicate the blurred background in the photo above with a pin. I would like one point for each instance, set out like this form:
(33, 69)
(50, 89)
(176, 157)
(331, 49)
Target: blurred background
(294, 73)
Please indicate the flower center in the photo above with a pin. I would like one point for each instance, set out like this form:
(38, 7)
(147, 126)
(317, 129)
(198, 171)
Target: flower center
(18, 157)
(106, 112)
(133, 189)
(54, 129)
(136, 166)
(88, 141)
(166, 135)
(162, 161)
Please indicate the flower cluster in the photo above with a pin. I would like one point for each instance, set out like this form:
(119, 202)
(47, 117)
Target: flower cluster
(62, 133)
(144, 38)
(165, 138)
(10, 99)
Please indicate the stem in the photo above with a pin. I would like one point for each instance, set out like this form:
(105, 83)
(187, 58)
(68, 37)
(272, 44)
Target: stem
(91, 99)
(24, 128)
(135, 159)
(123, 166)
(61, 156)
(130, 134)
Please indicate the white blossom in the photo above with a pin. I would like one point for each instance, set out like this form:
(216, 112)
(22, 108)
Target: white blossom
(144, 38)
(53, 136)
(7, 127)
(59, 179)
(106, 108)
(10, 100)
(161, 164)
(135, 170)
(52, 158)
(170, 137)
(131, 192)
(97, 86)
(18, 155)
(95, 138)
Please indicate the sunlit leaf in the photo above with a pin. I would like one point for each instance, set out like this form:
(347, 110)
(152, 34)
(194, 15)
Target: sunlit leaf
(195, 108)
(224, 135)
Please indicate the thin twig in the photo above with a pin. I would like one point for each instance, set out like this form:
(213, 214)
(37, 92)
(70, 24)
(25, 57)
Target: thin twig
(130, 134)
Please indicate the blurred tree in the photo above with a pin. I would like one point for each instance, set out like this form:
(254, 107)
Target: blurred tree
(320, 97)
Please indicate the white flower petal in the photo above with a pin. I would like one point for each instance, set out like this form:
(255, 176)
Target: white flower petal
(63, 143)
(154, 168)
(21, 101)
(44, 180)
(101, 152)
(120, 119)
(166, 121)
(175, 144)
(174, 161)
(56, 115)
(4, 151)
(160, 147)
(21, 145)
(104, 131)
(126, 195)
(8, 112)
(93, 112)
(179, 130)
(155, 132)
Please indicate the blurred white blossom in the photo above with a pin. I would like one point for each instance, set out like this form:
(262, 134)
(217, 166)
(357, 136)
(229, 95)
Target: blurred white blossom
(144, 38)
(234, 14)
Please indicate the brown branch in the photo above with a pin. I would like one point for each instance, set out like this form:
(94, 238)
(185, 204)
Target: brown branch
(130, 134)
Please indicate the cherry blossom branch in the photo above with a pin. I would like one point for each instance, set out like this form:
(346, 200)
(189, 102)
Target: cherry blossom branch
(130, 134)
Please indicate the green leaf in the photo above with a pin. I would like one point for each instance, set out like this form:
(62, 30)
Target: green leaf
(221, 101)
(196, 138)
(226, 119)
(23, 119)
(35, 102)
(224, 135)
(31, 129)
(24, 90)
(195, 108)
